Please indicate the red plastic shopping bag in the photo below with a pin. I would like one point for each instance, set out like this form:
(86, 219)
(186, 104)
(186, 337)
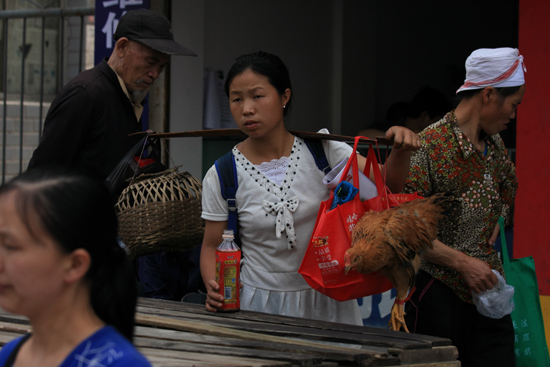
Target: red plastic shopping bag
(323, 263)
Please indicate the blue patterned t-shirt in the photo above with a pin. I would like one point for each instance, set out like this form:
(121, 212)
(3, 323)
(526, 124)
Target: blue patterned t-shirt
(106, 347)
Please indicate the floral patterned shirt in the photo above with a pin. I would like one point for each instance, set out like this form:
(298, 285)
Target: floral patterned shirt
(484, 183)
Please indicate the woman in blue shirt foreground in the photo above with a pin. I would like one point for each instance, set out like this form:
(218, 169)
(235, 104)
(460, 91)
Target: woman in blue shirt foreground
(62, 267)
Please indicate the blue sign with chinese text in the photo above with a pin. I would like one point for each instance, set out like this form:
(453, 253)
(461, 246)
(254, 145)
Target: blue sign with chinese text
(107, 14)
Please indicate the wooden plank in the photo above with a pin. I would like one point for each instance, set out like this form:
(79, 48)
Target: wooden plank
(16, 319)
(163, 362)
(412, 349)
(206, 359)
(200, 328)
(219, 352)
(197, 311)
(435, 364)
(433, 355)
(205, 341)
(343, 333)
(13, 327)
(339, 337)
(307, 354)
(160, 361)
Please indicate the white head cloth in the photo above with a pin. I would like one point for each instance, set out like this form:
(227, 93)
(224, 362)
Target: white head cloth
(494, 67)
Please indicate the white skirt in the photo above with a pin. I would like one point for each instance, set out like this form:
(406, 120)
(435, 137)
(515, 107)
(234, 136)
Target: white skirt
(307, 303)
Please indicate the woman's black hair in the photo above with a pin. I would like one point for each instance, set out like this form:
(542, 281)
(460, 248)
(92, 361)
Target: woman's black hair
(266, 64)
(78, 212)
(467, 94)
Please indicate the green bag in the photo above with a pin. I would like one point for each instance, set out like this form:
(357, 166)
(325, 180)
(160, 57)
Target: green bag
(530, 345)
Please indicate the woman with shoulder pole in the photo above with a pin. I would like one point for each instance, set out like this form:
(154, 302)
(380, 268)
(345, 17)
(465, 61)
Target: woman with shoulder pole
(278, 182)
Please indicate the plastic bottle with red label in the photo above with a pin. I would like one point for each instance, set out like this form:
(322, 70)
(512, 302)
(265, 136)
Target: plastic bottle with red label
(228, 261)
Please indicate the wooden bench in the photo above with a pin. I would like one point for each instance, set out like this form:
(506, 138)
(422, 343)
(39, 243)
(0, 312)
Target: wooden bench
(178, 334)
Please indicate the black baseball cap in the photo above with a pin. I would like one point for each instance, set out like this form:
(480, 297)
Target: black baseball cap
(151, 29)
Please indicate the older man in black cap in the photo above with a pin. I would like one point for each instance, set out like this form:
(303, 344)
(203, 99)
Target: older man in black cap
(88, 123)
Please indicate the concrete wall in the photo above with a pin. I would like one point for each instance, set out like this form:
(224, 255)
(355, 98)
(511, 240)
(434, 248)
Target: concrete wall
(186, 85)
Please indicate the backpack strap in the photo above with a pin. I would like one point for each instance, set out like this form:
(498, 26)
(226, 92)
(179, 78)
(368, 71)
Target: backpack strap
(227, 173)
(318, 153)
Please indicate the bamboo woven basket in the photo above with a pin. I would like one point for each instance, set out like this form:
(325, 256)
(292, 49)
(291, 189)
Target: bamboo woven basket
(161, 212)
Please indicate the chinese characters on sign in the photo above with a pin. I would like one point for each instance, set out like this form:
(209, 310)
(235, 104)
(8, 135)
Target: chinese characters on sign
(107, 14)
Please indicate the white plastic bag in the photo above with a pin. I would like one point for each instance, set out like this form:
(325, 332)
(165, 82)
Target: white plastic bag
(497, 302)
(367, 189)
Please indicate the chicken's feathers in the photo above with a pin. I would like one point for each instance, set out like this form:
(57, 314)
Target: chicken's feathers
(407, 229)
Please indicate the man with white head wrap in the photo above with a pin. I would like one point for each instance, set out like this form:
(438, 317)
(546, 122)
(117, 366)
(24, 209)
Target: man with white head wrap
(463, 157)
(494, 67)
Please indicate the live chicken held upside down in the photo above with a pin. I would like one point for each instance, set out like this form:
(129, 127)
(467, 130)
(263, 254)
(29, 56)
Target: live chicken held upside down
(392, 242)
